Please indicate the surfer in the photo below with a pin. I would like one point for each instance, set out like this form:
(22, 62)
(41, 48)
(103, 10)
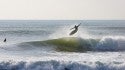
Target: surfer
(5, 40)
(75, 29)
(66, 69)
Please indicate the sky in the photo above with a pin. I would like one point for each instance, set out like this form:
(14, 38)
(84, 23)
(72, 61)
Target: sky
(62, 9)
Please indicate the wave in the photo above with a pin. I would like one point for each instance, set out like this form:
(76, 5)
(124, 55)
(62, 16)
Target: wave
(58, 65)
(24, 32)
(111, 44)
(75, 44)
(66, 44)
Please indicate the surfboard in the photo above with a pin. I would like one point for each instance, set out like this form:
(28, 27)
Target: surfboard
(73, 32)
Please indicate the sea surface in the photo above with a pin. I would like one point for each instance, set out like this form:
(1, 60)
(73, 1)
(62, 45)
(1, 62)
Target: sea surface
(25, 47)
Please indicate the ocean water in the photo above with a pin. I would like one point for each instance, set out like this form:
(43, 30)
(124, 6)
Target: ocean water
(39, 45)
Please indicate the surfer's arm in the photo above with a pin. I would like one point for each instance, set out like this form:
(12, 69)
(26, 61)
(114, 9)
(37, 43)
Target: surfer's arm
(79, 24)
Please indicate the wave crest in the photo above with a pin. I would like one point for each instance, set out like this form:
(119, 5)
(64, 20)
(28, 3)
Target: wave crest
(111, 44)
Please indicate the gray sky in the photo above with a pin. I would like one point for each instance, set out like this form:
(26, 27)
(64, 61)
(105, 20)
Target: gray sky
(62, 9)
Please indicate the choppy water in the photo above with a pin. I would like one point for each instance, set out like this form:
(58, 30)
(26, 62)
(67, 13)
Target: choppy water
(109, 55)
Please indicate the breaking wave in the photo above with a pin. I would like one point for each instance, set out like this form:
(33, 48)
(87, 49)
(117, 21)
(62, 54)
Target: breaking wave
(74, 44)
(80, 45)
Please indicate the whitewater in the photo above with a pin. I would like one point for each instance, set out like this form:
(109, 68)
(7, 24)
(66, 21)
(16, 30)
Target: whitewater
(46, 45)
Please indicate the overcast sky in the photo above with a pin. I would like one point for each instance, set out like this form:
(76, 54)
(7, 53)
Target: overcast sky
(62, 9)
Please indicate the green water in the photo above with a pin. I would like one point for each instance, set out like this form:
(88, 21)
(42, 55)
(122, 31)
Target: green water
(68, 44)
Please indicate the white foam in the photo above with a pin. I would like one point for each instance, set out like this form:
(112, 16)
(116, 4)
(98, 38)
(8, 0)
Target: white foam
(60, 61)
(112, 43)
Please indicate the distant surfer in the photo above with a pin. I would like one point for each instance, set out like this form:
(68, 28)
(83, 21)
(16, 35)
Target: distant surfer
(75, 29)
(66, 69)
(5, 40)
